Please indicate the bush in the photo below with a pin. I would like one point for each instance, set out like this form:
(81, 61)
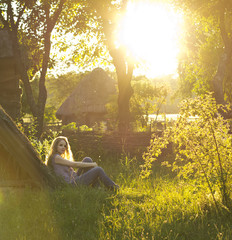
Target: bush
(71, 126)
(203, 147)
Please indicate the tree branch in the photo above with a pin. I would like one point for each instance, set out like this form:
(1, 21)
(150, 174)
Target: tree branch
(10, 13)
(222, 27)
(4, 22)
(56, 15)
(20, 15)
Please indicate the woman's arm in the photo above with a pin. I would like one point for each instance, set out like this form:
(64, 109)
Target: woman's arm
(59, 160)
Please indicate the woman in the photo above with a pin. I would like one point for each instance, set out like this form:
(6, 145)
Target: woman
(61, 161)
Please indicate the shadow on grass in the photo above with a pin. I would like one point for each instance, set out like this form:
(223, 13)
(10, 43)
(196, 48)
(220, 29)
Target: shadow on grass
(68, 213)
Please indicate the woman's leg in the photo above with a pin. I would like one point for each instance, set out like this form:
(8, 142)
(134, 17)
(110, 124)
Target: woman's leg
(83, 170)
(94, 175)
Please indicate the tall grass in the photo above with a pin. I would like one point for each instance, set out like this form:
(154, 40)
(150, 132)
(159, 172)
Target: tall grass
(160, 207)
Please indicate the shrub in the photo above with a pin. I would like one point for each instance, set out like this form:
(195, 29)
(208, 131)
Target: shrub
(203, 146)
(71, 126)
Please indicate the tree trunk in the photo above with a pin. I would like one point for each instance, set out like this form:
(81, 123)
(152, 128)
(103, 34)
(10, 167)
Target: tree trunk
(36, 109)
(124, 76)
(223, 65)
(218, 79)
(218, 82)
(42, 98)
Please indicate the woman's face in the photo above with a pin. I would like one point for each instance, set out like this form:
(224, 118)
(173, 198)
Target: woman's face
(61, 147)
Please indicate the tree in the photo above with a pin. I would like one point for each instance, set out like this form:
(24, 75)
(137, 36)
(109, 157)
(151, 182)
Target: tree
(107, 13)
(147, 99)
(102, 17)
(30, 24)
(212, 32)
(200, 57)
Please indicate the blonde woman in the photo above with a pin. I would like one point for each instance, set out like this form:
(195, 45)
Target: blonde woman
(60, 159)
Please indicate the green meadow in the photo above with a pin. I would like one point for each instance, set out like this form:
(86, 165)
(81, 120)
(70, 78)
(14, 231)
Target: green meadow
(159, 207)
(180, 189)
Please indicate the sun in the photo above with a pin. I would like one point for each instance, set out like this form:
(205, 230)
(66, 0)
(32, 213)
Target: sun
(150, 32)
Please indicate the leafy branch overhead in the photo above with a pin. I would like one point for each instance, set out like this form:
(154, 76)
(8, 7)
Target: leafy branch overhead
(206, 63)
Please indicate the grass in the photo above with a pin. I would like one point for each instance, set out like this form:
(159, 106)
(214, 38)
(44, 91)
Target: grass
(161, 207)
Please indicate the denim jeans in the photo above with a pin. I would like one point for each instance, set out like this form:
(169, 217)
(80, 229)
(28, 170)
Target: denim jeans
(94, 175)
(84, 170)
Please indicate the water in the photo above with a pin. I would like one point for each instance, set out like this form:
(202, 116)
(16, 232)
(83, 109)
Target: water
(167, 117)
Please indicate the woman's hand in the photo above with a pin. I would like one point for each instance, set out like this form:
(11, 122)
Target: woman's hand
(94, 164)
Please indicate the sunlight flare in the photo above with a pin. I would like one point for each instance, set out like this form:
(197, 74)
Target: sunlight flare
(150, 32)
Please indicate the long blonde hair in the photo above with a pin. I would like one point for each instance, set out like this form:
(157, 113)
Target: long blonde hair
(53, 150)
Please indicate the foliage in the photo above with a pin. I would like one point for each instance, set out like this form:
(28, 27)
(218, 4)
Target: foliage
(51, 105)
(147, 99)
(71, 126)
(200, 56)
(203, 146)
(157, 143)
(25, 109)
(42, 146)
(99, 127)
(112, 110)
(84, 128)
(207, 64)
(50, 114)
(169, 86)
(84, 40)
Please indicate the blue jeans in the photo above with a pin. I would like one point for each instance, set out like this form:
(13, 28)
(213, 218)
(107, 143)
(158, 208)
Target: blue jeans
(94, 175)
(83, 170)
